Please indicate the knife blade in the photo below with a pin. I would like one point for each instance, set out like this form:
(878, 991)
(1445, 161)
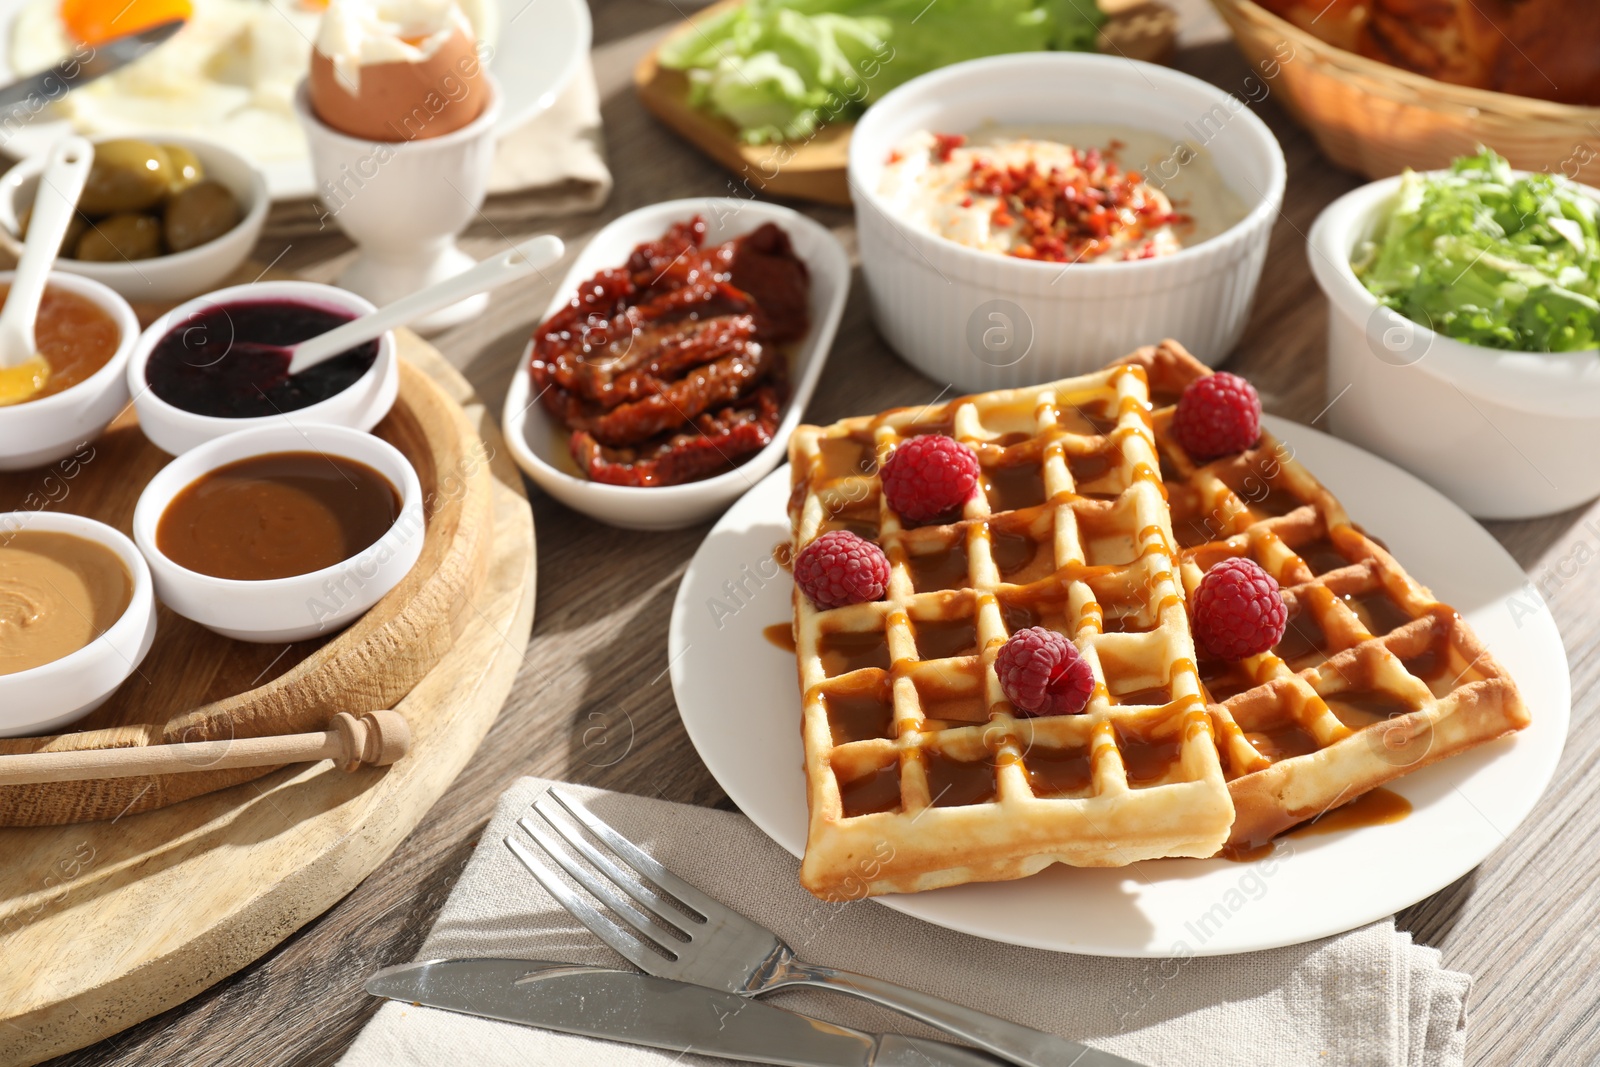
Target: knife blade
(626, 1006)
(52, 83)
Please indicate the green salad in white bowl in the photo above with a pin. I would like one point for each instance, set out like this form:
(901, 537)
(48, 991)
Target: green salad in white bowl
(1464, 331)
(1491, 257)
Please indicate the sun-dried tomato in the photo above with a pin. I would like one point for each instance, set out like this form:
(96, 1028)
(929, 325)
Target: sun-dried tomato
(665, 368)
(1067, 214)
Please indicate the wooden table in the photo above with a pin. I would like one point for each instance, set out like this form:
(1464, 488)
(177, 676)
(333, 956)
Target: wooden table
(592, 703)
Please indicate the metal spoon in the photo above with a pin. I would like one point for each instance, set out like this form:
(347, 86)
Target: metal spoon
(23, 371)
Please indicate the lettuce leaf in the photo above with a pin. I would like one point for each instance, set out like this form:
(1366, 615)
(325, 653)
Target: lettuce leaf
(1491, 259)
(778, 69)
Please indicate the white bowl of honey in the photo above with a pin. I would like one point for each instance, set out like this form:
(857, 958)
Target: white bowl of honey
(77, 615)
(85, 332)
(281, 533)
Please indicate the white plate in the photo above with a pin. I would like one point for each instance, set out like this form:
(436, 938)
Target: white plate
(542, 453)
(539, 47)
(737, 695)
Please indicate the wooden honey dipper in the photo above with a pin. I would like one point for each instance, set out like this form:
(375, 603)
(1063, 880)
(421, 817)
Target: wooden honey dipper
(378, 738)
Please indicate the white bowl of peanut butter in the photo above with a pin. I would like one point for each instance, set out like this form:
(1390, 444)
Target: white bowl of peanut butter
(77, 615)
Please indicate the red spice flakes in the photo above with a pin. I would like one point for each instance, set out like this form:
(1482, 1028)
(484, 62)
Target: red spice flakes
(894, 157)
(1068, 214)
(946, 143)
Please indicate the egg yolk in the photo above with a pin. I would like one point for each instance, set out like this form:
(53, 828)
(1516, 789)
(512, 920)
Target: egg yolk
(94, 22)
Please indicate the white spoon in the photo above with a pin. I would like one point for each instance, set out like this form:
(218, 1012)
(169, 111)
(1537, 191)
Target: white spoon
(497, 270)
(23, 371)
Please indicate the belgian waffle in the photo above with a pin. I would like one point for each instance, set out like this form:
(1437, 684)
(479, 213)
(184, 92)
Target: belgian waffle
(1373, 678)
(919, 773)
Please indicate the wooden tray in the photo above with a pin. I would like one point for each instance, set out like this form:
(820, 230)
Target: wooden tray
(814, 169)
(105, 924)
(197, 686)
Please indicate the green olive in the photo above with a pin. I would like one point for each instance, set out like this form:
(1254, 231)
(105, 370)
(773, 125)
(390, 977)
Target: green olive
(126, 176)
(126, 235)
(186, 169)
(203, 212)
(69, 241)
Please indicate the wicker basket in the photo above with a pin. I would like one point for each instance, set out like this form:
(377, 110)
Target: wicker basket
(1378, 119)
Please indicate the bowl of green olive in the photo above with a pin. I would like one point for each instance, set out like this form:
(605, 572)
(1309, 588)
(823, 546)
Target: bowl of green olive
(159, 219)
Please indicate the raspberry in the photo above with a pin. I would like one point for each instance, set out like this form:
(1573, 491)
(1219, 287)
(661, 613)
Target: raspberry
(1217, 415)
(1238, 610)
(928, 476)
(1042, 673)
(840, 568)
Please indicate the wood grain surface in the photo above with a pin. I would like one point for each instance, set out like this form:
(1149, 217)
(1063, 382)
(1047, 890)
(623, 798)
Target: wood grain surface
(592, 703)
(104, 924)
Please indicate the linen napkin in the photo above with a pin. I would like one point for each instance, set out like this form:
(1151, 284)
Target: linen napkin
(1367, 997)
(552, 165)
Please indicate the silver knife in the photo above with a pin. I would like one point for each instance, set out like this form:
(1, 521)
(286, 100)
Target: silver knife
(83, 67)
(634, 1008)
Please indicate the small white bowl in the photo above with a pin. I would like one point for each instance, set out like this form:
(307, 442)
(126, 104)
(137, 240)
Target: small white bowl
(305, 605)
(54, 694)
(938, 302)
(539, 446)
(179, 275)
(1507, 435)
(361, 406)
(53, 427)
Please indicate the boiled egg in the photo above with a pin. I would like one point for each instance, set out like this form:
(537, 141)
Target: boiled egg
(397, 70)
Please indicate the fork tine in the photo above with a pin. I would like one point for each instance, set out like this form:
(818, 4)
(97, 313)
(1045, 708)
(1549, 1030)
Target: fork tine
(606, 894)
(639, 861)
(627, 947)
(628, 882)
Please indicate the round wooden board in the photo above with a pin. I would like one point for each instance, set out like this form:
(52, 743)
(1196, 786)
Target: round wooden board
(105, 924)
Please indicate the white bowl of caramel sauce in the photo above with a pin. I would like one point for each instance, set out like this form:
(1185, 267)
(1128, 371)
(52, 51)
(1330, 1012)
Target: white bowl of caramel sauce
(77, 615)
(281, 533)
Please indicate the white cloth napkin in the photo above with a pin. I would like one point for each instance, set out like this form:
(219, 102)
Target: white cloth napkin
(1367, 997)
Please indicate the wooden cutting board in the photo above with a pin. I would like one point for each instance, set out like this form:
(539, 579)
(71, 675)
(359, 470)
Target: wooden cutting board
(814, 169)
(104, 924)
(197, 686)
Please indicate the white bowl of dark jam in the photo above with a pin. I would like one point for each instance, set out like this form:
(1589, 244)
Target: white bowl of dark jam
(195, 374)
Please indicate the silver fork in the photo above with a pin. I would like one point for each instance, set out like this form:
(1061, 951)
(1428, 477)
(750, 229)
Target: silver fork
(700, 940)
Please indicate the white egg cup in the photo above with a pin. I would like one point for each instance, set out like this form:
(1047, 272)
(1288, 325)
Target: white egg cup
(403, 203)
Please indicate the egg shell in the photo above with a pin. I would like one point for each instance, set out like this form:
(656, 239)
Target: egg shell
(404, 101)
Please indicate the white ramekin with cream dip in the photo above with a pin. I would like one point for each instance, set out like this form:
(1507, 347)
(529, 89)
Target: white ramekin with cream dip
(978, 318)
(1507, 435)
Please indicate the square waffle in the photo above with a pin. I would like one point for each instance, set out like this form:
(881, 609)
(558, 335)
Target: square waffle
(919, 773)
(1373, 678)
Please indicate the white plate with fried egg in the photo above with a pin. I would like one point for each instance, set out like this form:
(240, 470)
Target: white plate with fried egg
(230, 74)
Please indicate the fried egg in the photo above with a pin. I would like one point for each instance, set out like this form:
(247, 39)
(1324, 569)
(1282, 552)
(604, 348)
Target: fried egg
(228, 75)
